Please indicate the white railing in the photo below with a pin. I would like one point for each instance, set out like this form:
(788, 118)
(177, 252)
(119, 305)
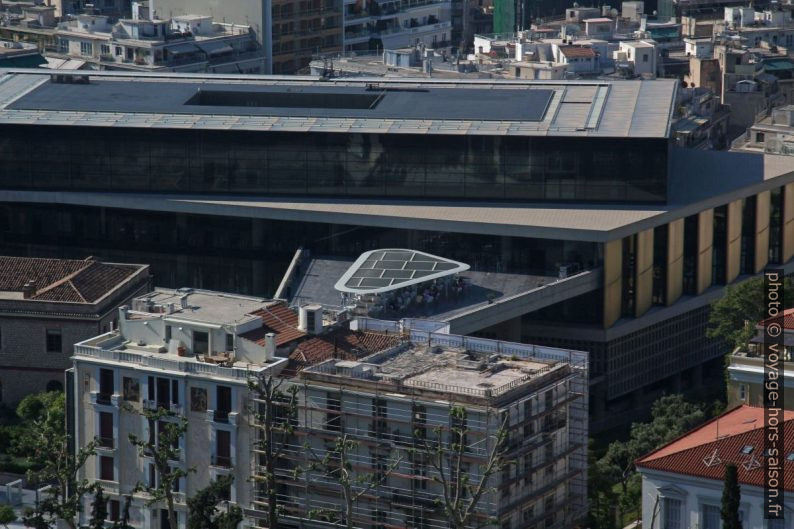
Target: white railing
(186, 366)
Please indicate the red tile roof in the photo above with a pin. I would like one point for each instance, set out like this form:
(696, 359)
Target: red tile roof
(340, 343)
(727, 434)
(67, 280)
(577, 51)
(788, 320)
(279, 319)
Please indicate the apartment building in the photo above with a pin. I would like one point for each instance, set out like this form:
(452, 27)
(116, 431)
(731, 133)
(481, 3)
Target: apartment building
(193, 352)
(181, 350)
(683, 481)
(47, 305)
(187, 43)
(747, 367)
(397, 24)
(291, 33)
(390, 400)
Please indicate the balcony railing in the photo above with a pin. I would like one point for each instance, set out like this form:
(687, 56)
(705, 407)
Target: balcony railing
(222, 461)
(168, 364)
(106, 442)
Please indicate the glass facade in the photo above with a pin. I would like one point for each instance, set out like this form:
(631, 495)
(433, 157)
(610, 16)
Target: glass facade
(250, 256)
(334, 164)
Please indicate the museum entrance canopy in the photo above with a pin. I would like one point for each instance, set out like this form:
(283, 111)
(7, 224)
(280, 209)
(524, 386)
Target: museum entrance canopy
(379, 271)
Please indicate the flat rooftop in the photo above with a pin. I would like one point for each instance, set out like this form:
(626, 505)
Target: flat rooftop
(438, 368)
(602, 108)
(200, 306)
(316, 284)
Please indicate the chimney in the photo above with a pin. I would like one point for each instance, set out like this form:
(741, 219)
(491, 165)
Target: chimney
(29, 289)
(310, 319)
(183, 301)
(270, 346)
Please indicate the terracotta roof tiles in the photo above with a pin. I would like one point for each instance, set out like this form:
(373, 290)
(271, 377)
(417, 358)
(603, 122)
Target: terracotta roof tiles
(727, 435)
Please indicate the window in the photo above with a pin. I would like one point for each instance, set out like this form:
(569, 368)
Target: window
(86, 48)
(54, 341)
(671, 513)
(223, 454)
(105, 429)
(1, 338)
(200, 342)
(118, 51)
(106, 385)
(742, 392)
(229, 342)
(528, 514)
(167, 335)
(113, 510)
(106, 468)
(224, 403)
(105, 49)
(198, 399)
(710, 515)
(131, 389)
(645, 58)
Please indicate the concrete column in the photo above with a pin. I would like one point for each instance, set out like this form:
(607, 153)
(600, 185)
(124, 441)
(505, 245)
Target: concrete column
(613, 281)
(644, 272)
(788, 222)
(762, 210)
(675, 261)
(733, 252)
(705, 242)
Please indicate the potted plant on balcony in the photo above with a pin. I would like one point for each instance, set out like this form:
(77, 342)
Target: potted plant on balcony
(181, 350)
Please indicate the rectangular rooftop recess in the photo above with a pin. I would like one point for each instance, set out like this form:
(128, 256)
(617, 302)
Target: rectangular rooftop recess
(235, 98)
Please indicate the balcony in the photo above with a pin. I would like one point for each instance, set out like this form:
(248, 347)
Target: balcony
(221, 461)
(107, 443)
(105, 399)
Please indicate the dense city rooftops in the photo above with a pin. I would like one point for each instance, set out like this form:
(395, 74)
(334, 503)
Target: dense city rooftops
(63, 280)
(306, 104)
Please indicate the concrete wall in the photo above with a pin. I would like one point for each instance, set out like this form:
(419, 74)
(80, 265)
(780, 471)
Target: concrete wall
(613, 281)
(675, 261)
(705, 242)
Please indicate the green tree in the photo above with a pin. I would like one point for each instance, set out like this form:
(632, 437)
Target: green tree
(671, 417)
(336, 464)
(99, 511)
(7, 515)
(734, 316)
(275, 412)
(203, 511)
(46, 446)
(731, 497)
(163, 449)
(447, 454)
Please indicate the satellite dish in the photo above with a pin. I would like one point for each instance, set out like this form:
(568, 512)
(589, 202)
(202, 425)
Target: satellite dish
(655, 12)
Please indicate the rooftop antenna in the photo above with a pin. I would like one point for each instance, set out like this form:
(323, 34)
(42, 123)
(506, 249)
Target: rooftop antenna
(712, 460)
(752, 463)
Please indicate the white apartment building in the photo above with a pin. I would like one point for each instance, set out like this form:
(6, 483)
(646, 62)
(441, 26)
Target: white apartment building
(397, 24)
(182, 350)
(189, 43)
(682, 482)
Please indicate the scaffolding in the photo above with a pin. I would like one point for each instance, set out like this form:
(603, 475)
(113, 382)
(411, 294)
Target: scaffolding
(545, 419)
